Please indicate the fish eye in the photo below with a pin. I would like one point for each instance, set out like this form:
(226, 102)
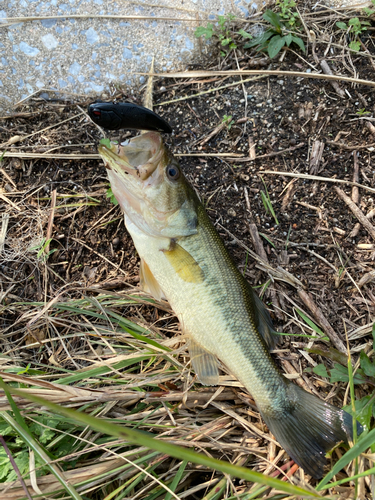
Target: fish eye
(173, 172)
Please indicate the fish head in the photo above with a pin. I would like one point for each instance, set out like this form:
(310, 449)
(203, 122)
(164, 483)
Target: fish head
(150, 187)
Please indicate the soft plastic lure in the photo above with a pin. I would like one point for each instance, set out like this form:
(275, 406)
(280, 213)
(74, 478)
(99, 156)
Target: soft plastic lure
(127, 115)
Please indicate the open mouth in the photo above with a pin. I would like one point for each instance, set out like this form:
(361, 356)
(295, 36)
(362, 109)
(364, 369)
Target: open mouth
(139, 157)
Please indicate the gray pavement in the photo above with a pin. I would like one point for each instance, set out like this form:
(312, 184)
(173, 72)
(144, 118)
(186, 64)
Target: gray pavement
(92, 56)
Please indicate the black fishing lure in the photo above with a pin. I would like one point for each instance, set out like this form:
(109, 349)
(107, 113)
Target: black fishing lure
(126, 115)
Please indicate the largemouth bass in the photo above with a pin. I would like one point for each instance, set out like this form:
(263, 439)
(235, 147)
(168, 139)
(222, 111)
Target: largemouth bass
(184, 260)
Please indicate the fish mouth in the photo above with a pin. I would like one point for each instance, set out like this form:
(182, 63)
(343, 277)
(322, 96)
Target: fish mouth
(139, 157)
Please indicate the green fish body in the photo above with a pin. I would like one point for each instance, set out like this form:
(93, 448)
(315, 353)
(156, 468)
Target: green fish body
(184, 260)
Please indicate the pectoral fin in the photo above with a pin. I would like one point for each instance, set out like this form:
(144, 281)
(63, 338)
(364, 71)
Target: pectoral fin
(148, 282)
(204, 364)
(184, 264)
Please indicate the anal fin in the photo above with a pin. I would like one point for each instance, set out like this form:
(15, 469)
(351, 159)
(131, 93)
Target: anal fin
(204, 364)
(184, 264)
(148, 282)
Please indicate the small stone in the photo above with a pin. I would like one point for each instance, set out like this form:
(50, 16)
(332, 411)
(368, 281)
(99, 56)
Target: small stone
(231, 212)
(115, 242)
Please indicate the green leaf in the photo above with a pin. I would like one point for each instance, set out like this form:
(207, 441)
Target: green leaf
(331, 353)
(366, 365)
(5, 467)
(276, 44)
(226, 41)
(40, 453)
(130, 435)
(340, 373)
(260, 40)
(368, 11)
(288, 39)
(297, 40)
(22, 462)
(354, 21)
(109, 194)
(364, 442)
(221, 20)
(341, 25)
(321, 371)
(363, 410)
(273, 18)
(207, 32)
(105, 142)
(355, 46)
(244, 33)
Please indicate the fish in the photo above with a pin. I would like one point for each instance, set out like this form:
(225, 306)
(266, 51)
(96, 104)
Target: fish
(126, 115)
(184, 261)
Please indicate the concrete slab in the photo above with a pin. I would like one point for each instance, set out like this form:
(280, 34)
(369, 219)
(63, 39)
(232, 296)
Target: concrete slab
(89, 54)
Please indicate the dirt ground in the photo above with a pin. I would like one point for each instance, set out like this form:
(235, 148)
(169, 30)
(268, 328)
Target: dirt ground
(281, 124)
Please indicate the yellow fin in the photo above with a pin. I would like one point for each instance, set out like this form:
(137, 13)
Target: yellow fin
(148, 282)
(184, 264)
(204, 364)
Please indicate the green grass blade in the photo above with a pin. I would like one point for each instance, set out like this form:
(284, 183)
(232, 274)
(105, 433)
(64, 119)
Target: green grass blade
(265, 201)
(365, 473)
(149, 441)
(217, 490)
(362, 445)
(176, 479)
(17, 414)
(33, 444)
(132, 328)
(352, 400)
(310, 323)
(120, 321)
(100, 370)
(267, 239)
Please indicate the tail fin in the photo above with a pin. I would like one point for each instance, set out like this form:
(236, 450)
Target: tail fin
(307, 427)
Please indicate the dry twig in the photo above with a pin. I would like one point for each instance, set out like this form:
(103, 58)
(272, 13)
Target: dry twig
(357, 212)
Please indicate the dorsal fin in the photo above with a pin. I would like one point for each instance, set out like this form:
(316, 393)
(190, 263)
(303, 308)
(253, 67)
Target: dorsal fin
(263, 321)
